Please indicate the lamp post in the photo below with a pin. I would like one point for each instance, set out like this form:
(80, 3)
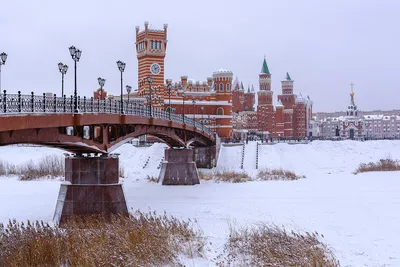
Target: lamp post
(121, 68)
(128, 90)
(63, 70)
(76, 55)
(194, 112)
(101, 83)
(202, 117)
(169, 100)
(3, 59)
(150, 80)
(148, 99)
(183, 107)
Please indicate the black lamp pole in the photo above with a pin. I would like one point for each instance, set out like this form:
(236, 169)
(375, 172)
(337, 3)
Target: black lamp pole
(63, 70)
(101, 83)
(169, 100)
(150, 80)
(3, 59)
(121, 67)
(128, 90)
(76, 55)
(183, 107)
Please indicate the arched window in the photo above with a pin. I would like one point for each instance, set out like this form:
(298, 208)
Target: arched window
(228, 87)
(220, 111)
(221, 87)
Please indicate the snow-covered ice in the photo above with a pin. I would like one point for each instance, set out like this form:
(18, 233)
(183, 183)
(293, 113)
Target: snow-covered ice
(358, 215)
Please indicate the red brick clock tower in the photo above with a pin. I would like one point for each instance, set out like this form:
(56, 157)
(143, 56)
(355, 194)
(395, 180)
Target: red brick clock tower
(151, 46)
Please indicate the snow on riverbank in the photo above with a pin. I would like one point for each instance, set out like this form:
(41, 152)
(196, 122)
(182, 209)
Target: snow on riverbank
(359, 215)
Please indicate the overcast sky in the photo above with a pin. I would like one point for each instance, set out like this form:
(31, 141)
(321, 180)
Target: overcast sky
(324, 45)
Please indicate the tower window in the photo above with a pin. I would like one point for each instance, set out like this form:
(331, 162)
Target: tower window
(221, 87)
(151, 44)
(228, 87)
(220, 111)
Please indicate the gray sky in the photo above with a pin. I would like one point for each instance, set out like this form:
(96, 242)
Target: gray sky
(324, 45)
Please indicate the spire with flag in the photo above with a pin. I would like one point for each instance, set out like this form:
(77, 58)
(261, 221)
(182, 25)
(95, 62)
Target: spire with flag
(264, 69)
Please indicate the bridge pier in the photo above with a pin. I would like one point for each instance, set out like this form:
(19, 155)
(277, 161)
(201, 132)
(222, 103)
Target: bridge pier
(92, 187)
(179, 168)
(205, 157)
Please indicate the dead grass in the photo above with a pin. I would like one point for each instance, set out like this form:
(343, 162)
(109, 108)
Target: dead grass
(152, 179)
(205, 176)
(265, 245)
(231, 176)
(277, 174)
(49, 166)
(382, 165)
(143, 239)
(241, 177)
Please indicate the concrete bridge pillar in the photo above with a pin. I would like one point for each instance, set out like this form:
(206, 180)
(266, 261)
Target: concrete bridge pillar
(91, 187)
(205, 157)
(179, 168)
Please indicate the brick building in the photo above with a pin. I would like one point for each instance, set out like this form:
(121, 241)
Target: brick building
(219, 103)
(291, 117)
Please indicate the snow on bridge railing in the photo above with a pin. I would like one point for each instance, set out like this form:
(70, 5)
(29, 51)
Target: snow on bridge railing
(18, 103)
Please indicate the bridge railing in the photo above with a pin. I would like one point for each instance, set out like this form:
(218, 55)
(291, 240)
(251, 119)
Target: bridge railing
(19, 103)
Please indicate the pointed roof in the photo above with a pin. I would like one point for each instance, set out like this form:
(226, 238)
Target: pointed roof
(264, 68)
(288, 77)
(252, 88)
(241, 86)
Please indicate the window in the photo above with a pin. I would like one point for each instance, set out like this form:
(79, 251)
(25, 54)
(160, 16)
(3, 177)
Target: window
(220, 111)
(228, 87)
(221, 87)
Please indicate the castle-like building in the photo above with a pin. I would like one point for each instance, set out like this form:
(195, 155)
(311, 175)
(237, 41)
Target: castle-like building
(218, 102)
(291, 116)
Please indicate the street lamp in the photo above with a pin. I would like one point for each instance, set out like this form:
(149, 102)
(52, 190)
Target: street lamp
(3, 59)
(169, 100)
(101, 83)
(202, 117)
(194, 112)
(121, 67)
(148, 99)
(63, 70)
(76, 55)
(128, 90)
(183, 107)
(150, 80)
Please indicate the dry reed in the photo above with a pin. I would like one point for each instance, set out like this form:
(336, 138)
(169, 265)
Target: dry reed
(382, 165)
(264, 245)
(142, 239)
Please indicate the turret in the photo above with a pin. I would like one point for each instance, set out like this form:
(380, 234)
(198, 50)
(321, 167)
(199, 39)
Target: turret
(287, 85)
(265, 77)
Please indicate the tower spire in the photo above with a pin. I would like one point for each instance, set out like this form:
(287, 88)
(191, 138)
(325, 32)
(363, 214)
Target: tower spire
(264, 68)
(288, 77)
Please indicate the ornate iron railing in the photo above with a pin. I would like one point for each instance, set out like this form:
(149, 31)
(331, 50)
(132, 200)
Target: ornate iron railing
(18, 103)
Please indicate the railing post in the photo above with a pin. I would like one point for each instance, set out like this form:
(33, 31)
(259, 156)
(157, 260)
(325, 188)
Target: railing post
(44, 102)
(115, 106)
(84, 104)
(72, 103)
(98, 105)
(92, 103)
(55, 103)
(19, 102)
(110, 105)
(5, 101)
(32, 102)
(65, 103)
(78, 103)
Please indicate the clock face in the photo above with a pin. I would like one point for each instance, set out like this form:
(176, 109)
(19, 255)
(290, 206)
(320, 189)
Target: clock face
(155, 68)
